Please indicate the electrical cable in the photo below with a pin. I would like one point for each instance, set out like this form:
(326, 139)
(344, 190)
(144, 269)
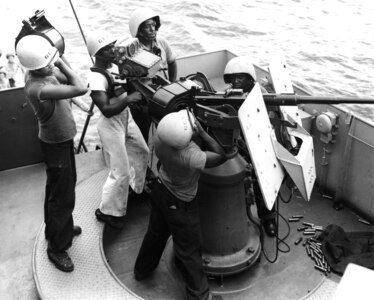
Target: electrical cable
(279, 241)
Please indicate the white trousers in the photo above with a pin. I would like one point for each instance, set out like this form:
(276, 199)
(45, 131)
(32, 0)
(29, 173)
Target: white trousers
(126, 154)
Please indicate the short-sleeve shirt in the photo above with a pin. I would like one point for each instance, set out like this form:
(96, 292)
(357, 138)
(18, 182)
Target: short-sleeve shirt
(180, 168)
(55, 117)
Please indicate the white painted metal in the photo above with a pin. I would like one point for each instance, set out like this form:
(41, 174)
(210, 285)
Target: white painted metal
(259, 136)
(356, 283)
(283, 85)
(301, 167)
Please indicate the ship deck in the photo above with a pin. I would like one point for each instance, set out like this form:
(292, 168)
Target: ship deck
(104, 257)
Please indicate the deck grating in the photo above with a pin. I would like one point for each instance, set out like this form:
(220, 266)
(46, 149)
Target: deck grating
(91, 279)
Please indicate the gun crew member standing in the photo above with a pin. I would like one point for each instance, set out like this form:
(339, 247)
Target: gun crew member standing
(125, 149)
(240, 74)
(144, 25)
(50, 84)
(174, 206)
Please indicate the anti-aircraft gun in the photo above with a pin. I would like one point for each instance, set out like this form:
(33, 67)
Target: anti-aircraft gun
(231, 240)
(224, 191)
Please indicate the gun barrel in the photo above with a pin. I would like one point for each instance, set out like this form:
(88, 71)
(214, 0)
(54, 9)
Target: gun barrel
(282, 99)
(289, 100)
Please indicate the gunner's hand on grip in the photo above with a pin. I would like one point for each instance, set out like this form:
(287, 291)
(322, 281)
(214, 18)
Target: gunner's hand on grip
(134, 97)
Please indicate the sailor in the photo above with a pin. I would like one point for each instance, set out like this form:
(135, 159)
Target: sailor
(50, 83)
(240, 74)
(174, 205)
(14, 70)
(4, 82)
(144, 25)
(2, 59)
(125, 149)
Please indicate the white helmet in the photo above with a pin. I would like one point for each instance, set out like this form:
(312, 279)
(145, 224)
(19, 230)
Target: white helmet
(97, 40)
(176, 129)
(141, 15)
(35, 52)
(240, 64)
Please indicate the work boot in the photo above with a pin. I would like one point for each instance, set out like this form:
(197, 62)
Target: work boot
(140, 277)
(270, 227)
(61, 260)
(115, 222)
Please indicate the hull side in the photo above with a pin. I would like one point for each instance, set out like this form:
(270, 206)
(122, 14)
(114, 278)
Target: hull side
(18, 131)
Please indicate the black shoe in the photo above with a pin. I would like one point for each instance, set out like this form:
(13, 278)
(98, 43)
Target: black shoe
(140, 277)
(61, 260)
(115, 222)
(138, 197)
(270, 227)
(77, 230)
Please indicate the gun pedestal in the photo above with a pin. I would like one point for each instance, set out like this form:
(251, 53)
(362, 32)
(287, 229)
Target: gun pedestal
(231, 242)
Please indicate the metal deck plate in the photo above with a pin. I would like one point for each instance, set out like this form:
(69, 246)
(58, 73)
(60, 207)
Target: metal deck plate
(92, 277)
(324, 291)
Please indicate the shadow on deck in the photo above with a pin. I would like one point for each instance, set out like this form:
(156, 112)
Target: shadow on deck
(104, 257)
(292, 276)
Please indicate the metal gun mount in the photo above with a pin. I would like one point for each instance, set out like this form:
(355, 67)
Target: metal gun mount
(134, 62)
(186, 93)
(39, 25)
(231, 115)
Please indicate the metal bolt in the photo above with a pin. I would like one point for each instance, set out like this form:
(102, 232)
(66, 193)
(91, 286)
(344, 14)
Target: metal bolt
(250, 250)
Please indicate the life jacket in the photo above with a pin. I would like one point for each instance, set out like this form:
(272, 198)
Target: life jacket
(109, 77)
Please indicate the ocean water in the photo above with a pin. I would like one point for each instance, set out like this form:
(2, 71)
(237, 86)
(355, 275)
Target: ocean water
(327, 45)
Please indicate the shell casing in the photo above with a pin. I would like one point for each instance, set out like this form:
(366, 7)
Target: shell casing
(293, 220)
(298, 216)
(320, 268)
(313, 248)
(301, 228)
(308, 224)
(309, 233)
(364, 221)
(318, 228)
(316, 245)
(317, 250)
(298, 240)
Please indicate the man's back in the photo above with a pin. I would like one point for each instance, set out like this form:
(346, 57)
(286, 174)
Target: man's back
(180, 168)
